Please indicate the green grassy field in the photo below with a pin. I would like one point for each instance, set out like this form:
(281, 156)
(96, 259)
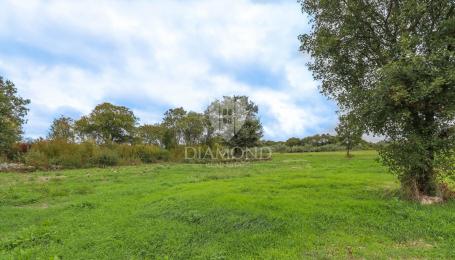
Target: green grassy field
(314, 205)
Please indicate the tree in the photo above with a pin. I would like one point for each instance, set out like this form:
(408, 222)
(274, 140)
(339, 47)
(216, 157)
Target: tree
(12, 115)
(249, 135)
(62, 128)
(349, 132)
(293, 141)
(391, 63)
(172, 123)
(151, 134)
(251, 131)
(192, 127)
(318, 140)
(108, 123)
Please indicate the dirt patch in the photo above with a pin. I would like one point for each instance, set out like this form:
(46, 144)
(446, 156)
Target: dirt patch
(35, 206)
(427, 200)
(16, 167)
(43, 179)
(415, 244)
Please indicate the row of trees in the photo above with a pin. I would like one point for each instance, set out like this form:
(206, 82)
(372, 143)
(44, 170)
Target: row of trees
(108, 123)
(315, 140)
(111, 124)
(348, 136)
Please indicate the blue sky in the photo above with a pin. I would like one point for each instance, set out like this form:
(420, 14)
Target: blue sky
(68, 56)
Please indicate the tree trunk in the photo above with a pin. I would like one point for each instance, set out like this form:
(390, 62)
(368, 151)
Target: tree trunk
(424, 176)
(426, 184)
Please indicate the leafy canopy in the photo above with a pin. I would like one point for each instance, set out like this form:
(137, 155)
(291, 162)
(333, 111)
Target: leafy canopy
(108, 123)
(251, 132)
(349, 132)
(12, 115)
(62, 128)
(391, 64)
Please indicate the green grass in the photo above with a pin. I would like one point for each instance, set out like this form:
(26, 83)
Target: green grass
(314, 205)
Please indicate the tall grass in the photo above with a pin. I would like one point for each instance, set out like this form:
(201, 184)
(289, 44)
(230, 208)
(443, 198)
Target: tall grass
(47, 154)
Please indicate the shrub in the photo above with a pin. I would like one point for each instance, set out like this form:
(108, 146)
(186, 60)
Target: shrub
(66, 160)
(44, 154)
(106, 157)
(37, 159)
(150, 153)
(60, 153)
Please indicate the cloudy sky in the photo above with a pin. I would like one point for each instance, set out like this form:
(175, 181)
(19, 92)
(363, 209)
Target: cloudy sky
(67, 56)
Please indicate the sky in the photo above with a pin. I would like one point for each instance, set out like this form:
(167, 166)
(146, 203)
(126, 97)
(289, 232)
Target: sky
(68, 56)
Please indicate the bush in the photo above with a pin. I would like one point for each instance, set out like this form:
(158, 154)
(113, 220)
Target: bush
(150, 153)
(37, 159)
(45, 154)
(66, 160)
(106, 157)
(134, 154)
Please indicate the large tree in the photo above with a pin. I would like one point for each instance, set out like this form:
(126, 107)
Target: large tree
(391, 63)
(108, 123)
(12, 115)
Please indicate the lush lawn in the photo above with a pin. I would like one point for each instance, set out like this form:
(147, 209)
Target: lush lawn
(295, 206)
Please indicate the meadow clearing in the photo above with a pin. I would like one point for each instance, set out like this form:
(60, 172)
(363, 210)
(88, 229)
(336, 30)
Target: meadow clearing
(296, 206)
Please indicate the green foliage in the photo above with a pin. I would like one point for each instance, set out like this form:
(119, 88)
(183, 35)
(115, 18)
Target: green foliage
(107, 124)
(392, 64)
(37, 159)
(46, 154)
(319, 140)
(297, 206)
(151, 134)
(62, 128)
(293, 141)
(282, 148)
(251, 132)
(317, 143)
(171, 121)
(349, 132)
(248, 136)
(106, 157)
(150, 154)
(12, 115)
(182, 127)
(192, 127)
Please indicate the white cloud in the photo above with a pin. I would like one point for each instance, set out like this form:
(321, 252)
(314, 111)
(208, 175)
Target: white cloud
(167, 52)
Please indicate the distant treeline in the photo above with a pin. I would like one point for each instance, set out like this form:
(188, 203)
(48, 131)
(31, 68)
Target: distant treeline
(316, 143)
(111, 135)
